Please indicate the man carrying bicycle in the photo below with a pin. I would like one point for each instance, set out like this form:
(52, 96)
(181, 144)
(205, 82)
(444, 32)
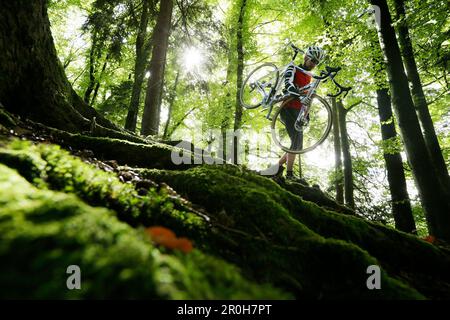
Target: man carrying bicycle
(295, 78)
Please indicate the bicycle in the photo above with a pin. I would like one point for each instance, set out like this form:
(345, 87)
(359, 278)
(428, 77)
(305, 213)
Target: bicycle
(263, 87)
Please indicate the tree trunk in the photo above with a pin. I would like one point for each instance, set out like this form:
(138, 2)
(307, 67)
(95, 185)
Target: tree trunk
(172, 96)
(229, 100)
(338, 182)
(432, 193)
(152, 107)
(32, 80)
(401, 207)
(418, 95)
(97, 85)
(139, 69)
(179, 122)
(348, 171)
(239, 75)
(91, 84)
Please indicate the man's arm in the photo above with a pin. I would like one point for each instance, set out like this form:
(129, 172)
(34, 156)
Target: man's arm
(289, 80)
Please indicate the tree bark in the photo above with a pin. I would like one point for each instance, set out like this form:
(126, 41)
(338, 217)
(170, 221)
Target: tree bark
(91, 84)
(139, 68)
(239, 75)
(338, 182)
(300, 167)
(152, 107)
(171, 101)
(401, 206)
(432, 193)
(32, 80)
(97, 85)
(179, 122)
(348, 171)
(418, 95)
(229, 99)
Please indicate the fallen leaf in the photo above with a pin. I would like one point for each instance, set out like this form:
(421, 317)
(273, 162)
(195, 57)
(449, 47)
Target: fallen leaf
(430, 239)
(167, 238)
(185, 245)
(160, 232)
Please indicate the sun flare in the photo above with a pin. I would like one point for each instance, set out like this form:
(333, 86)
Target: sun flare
(192, 59)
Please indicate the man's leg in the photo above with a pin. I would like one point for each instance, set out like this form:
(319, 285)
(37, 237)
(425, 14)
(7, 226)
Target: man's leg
(282, 160)
(290, 162)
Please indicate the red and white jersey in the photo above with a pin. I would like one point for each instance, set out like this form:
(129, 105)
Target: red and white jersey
(294, 79)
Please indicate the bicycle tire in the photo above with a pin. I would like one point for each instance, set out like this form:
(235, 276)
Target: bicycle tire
(246, 104)
(276, 122)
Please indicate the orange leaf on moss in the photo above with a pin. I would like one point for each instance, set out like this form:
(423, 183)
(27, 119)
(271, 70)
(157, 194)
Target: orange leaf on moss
(158, 232)
(167, 238)
(430, 239)
(170, 243)
(185, 245)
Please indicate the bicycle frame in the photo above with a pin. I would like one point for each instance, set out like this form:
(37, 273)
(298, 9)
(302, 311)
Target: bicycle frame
(274, 95)
(270, 99)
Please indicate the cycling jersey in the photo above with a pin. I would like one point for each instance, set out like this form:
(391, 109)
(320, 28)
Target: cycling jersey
(294, 78)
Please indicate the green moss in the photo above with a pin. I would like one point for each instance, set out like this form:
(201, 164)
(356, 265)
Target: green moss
(271, 234)
(43, 232)
(290, 254)
(69, 174)
(152, 155)
(418, 261)
(6, 119)
(29, 165)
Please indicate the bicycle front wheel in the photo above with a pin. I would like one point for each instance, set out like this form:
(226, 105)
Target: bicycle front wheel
(258, 85)
(310, 136)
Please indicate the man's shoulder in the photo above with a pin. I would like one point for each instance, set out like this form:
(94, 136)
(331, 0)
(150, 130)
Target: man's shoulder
(293, 66)
(297, 67)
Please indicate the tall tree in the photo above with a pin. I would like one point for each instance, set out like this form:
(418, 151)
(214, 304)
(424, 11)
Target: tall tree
(98, 81)
(142, 51)
(239, 72)
(91, 82)
(432, 192)
(401, 206)
(338, 174)
(417, 93)
(152, 107)
(400, 203)
(108, 24)
(172, 96)
(32, 80)
(347, 157)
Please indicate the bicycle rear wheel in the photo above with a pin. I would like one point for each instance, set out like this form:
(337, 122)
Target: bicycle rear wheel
(258, 85)
(311, 135)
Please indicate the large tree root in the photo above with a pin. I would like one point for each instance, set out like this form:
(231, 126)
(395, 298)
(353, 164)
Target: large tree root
(251, 231)
(43, 232)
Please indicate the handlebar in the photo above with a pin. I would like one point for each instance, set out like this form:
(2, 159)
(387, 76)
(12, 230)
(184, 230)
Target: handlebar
(331, 73)
(341, 90)
(296, 50)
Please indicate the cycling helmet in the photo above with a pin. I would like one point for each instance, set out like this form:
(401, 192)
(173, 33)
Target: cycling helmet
(315, 53)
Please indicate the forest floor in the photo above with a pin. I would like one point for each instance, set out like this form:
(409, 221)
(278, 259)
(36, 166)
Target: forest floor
(139, 226)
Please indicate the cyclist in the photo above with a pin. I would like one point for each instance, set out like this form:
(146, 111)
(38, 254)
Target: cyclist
(295, 78)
